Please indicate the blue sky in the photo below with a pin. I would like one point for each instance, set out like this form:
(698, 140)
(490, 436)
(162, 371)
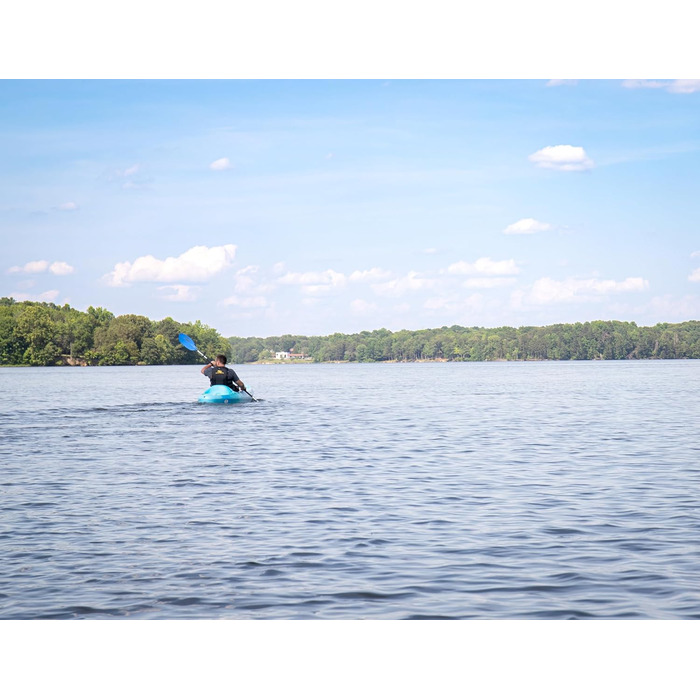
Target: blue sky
(263, 207)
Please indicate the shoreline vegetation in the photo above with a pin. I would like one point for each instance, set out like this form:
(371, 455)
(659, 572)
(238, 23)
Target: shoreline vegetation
(44, 334)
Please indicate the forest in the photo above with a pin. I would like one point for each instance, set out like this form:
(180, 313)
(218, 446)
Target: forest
(44, 334)
(596, 340)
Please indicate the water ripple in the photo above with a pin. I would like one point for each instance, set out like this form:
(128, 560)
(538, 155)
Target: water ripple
(533, 490)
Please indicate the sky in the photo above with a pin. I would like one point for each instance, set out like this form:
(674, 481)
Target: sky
(264, 207)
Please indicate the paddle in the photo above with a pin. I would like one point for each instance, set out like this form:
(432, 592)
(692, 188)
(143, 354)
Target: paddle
(188, 343)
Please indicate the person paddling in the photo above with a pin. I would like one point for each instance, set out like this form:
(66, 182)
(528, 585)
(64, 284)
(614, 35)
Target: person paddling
(219, 373)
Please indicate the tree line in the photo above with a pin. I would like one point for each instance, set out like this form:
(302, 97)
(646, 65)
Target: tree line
(40, 333)
(596, 340)
(44, 334)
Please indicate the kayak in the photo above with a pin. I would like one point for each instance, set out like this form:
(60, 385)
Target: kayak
(223, 394)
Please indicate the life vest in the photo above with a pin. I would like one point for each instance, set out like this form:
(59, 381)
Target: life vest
(220, 376)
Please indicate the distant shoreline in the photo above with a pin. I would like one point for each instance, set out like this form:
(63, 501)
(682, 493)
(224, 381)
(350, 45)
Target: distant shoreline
(355, 362)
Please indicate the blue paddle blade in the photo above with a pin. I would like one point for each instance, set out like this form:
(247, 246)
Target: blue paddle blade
(187, 341)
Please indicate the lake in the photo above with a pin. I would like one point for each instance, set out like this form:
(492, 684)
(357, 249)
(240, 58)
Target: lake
(550, 490)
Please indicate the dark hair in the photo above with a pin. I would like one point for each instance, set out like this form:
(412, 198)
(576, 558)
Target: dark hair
(221, 358)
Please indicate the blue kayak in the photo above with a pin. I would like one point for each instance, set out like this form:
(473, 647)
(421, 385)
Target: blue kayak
(222, 394)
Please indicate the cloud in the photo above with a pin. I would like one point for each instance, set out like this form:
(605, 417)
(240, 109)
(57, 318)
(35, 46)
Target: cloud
(484, 267)
(315, 282)
(246, 282)
(179, 292)
(68, 206)
(454, 304)
(31, 268)
(556, 82)
(408, 283)
(694, 276)
(565, 158)
(38, 266)
(49, 296)
(684, 87)
(527, 226)
(488, 282)
(549, 291)
(122, 174)
(373, 275)
(220, 164)
(644, 84)
(328, 281)
(197, 264)
(306, 278)
(695, 254)
(257, 302)
(360, 307)
(669, 307)
(61, 268)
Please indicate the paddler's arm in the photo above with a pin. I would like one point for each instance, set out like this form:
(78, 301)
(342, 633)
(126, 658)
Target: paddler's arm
(240, 384)
(206, 367)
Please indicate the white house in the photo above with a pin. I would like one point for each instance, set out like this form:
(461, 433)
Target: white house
(281, 356)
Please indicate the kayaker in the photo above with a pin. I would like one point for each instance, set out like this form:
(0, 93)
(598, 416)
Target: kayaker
(219, 373)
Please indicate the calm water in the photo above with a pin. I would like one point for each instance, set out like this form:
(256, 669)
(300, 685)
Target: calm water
(494, 490)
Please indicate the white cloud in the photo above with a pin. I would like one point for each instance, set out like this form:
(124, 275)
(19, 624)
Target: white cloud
(548, 291)
(644, 84)
(61, 268)
(329, 277)
(484, 267)
(671, 308)
(527, 226)
(375, 274)
(684, 86)
(556, 82)
(675, 86)
(197, 264)
(315, 283)
(49, 296)
(565, 158)
(329, 281)
(179, 292)
(247, 282)
(319, 289)
(38, 266)
(31, 268)
(488, 282)
(453, 303)
(68, 206)
(220, 164)
(695, 254)
(408, 283)
(360, 307)
(694, 276)
(119, 174)
(257, 302)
